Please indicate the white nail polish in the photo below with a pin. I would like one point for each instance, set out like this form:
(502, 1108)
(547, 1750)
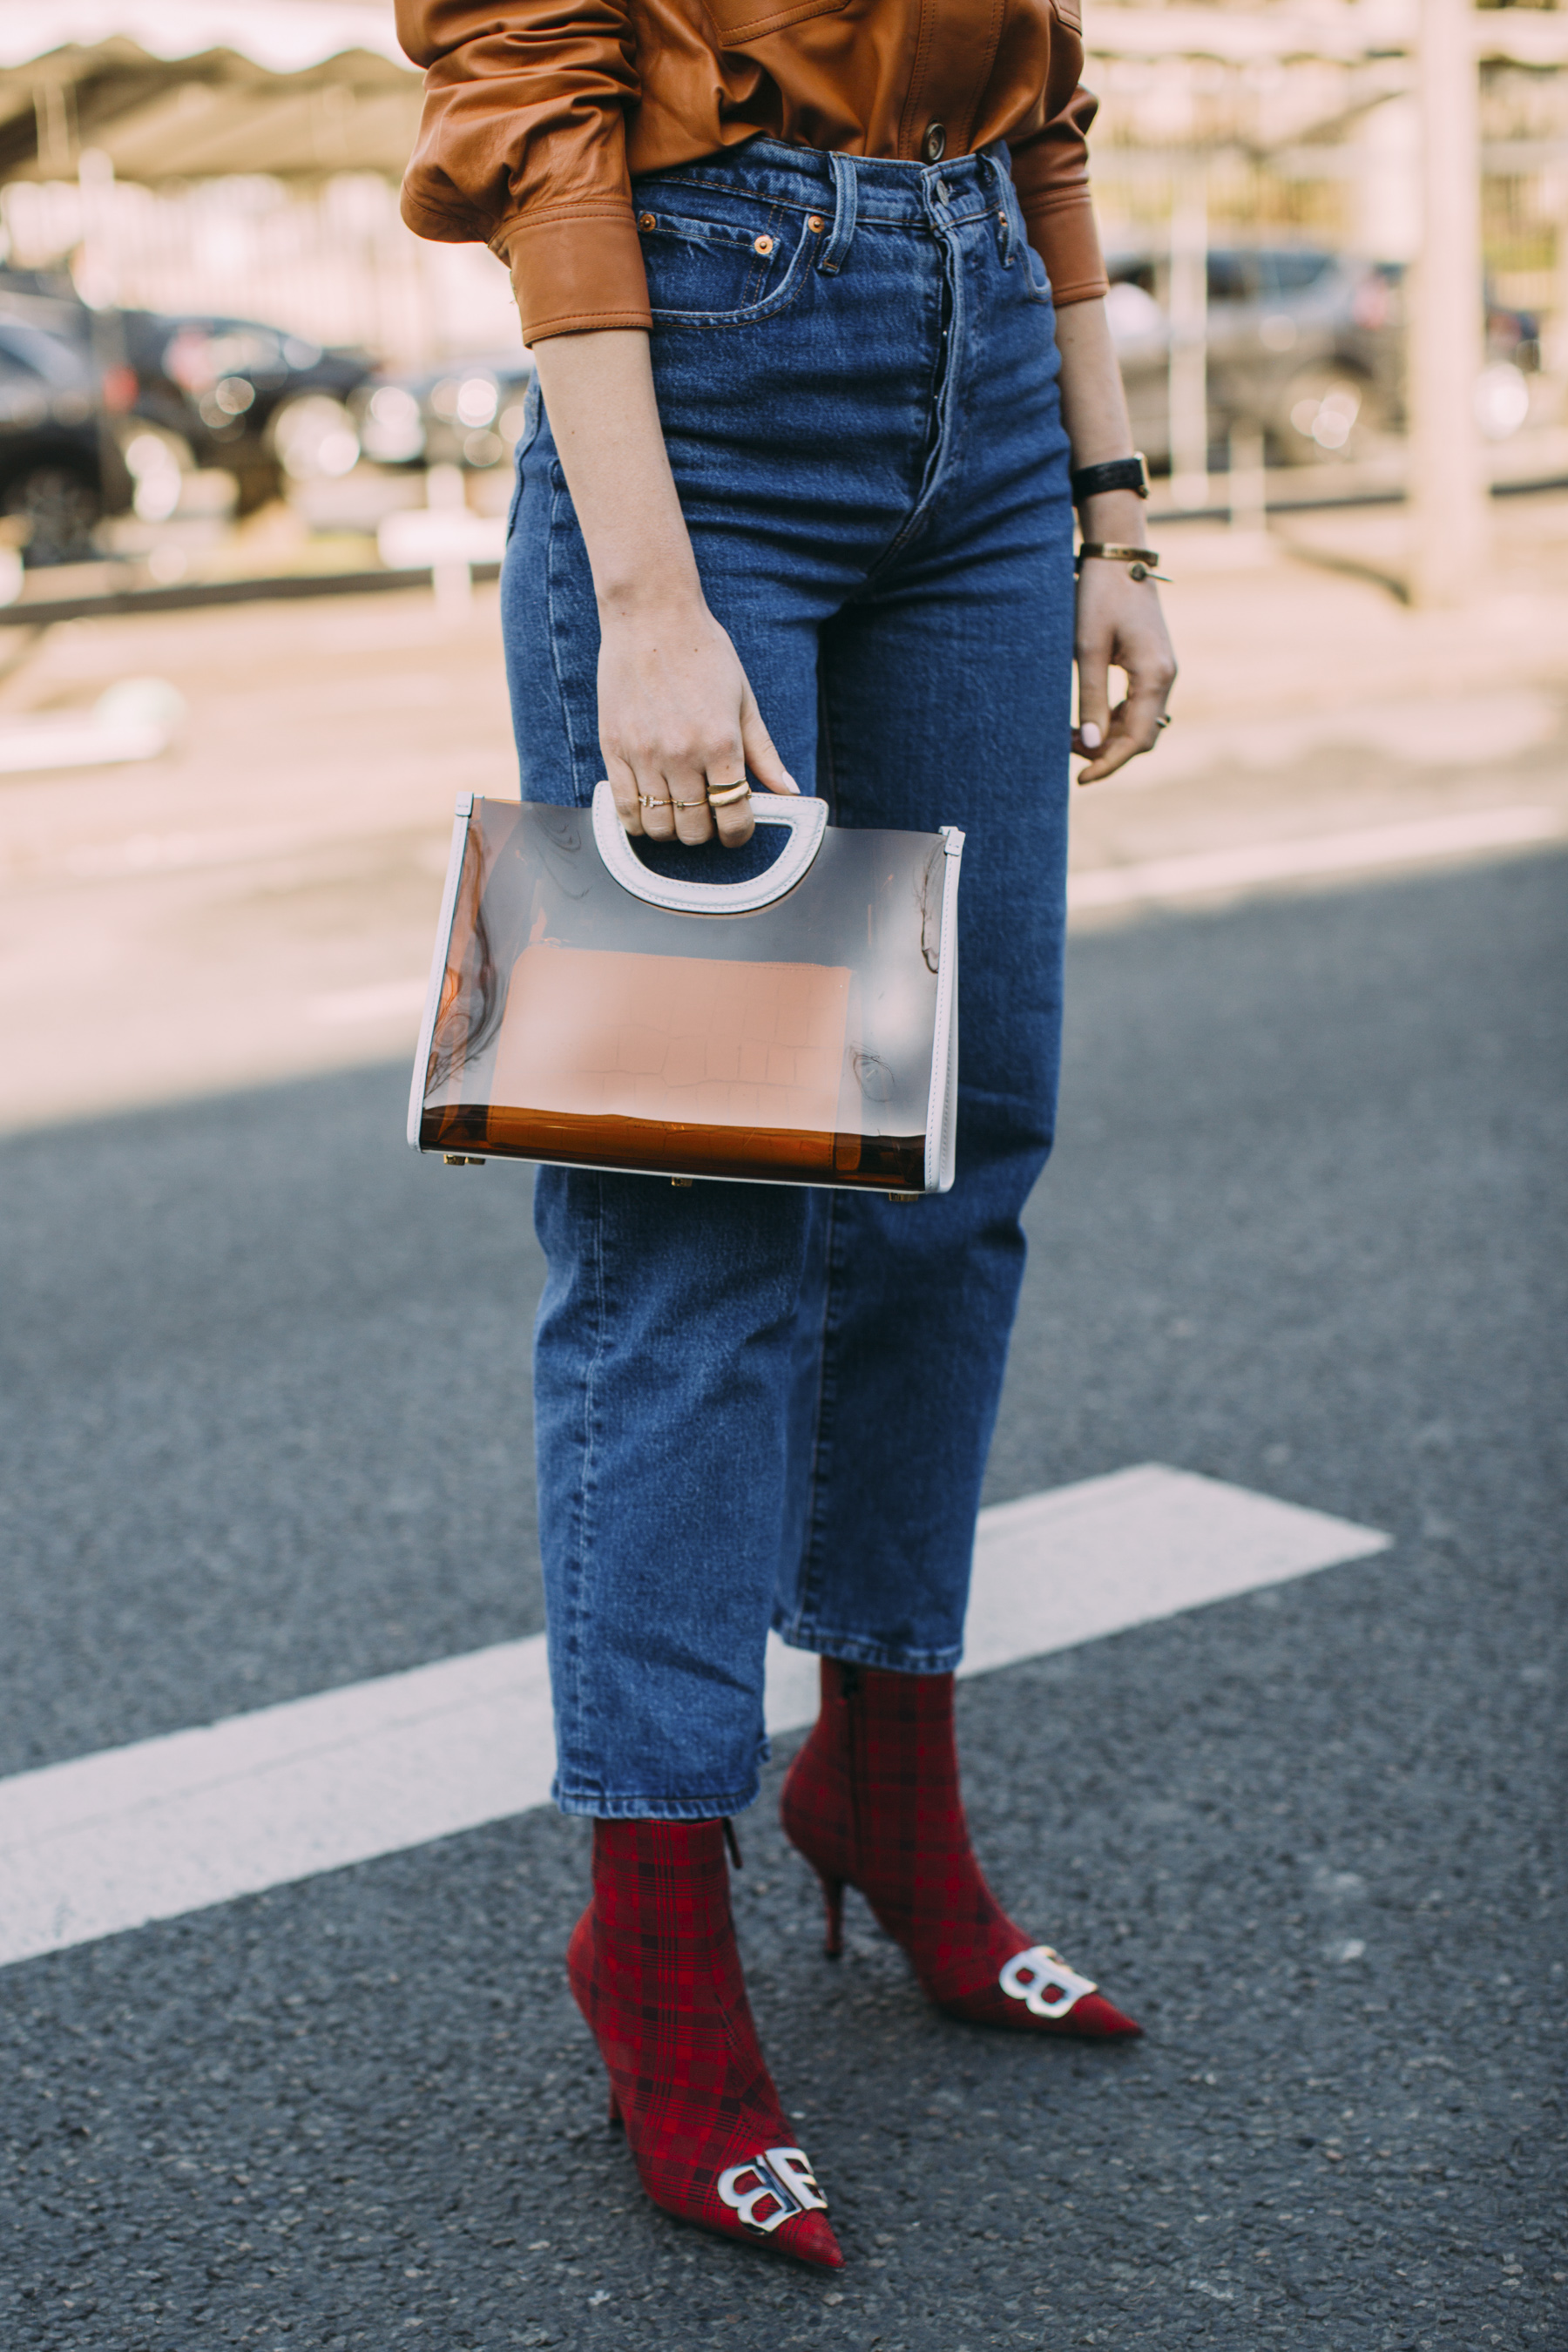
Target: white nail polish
(1088, 736)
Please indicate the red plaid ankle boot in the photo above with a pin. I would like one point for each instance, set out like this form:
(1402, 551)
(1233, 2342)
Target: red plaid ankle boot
(872, 1801)
(654, 1971)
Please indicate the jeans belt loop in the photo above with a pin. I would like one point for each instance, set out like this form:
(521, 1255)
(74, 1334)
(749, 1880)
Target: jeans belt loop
(1007, 203)
(846, 205)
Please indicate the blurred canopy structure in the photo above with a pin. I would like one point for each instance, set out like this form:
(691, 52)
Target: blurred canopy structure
(218, 153)
(179, 89)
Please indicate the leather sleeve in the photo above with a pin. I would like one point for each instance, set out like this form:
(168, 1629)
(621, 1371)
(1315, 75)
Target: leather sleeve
(521, 147)
(1050, 171)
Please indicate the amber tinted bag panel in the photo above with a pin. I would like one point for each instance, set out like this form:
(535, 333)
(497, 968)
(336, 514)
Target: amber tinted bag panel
(576, 1022)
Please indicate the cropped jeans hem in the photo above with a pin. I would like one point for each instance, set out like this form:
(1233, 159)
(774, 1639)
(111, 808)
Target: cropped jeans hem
(852, 1650)
(601, 1808)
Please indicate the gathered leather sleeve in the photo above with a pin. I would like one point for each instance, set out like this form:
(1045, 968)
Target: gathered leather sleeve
(1050, 171)
(522, 147)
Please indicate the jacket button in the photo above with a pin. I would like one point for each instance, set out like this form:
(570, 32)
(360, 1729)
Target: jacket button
(933, 146)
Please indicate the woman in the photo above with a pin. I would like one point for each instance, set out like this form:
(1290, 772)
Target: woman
(796, 503)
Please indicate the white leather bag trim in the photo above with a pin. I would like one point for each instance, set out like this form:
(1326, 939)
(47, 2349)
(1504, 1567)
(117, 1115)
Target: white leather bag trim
(942, 1109)
(438, 964)
(807, 819)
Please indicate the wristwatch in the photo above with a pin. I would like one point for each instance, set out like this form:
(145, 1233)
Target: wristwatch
(1114, 474)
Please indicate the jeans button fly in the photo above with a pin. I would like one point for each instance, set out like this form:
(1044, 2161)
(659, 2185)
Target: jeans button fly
(935, 144)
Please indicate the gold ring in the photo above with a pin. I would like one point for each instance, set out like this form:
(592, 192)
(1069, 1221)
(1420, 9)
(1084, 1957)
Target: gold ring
(689, 804)
(654, 800)
(727, 796)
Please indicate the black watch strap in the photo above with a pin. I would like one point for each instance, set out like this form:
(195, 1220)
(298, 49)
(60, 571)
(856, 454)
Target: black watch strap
(1115, 474)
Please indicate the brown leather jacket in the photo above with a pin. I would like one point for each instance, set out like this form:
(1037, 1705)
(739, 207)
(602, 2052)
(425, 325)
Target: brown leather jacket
(539, 113)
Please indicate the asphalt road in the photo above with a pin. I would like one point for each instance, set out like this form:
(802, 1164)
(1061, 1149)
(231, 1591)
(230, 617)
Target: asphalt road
(267, 1428)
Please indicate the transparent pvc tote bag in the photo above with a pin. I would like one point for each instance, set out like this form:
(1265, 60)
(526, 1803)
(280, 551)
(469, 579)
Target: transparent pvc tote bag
(800, 1027)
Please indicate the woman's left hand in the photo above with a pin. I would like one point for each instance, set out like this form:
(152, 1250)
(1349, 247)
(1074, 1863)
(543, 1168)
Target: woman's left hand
(1118, 624)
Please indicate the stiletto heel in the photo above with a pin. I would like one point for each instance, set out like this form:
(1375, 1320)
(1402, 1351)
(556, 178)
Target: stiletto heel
(833, 1904)
(872, 1801)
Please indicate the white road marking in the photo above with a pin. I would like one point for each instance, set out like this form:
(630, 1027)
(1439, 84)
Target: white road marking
(1252, 864)
(171, 1825)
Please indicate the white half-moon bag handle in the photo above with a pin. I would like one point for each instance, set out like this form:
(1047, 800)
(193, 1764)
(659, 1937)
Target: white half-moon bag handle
(806, 821)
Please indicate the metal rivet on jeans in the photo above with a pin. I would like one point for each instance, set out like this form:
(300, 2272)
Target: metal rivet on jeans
(647, 220)
(761, 245)
(816, 223)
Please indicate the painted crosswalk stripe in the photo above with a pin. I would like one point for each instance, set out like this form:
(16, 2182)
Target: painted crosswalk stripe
(165, 1826)
(1252, 864)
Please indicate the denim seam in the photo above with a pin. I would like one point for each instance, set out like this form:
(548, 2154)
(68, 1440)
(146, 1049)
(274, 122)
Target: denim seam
(578, 1623)
(823, 1434)
(558, 495)
(810, 1551)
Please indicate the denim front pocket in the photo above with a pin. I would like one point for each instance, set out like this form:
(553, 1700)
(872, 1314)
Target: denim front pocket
(720, 272)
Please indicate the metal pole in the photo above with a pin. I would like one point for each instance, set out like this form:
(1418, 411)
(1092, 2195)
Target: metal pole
(1448, 504)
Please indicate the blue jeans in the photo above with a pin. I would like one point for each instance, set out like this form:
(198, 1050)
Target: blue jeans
(763, 1404)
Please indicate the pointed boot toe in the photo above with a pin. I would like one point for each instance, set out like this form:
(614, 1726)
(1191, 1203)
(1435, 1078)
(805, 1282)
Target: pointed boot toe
(809, 2238)
(1098, 2019)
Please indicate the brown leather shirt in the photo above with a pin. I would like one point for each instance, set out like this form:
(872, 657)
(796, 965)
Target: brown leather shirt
(539, 113)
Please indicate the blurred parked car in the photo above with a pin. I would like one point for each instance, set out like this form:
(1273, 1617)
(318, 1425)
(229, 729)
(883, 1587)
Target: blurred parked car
(61, 464)
(465, 412)
(269, 406)
(1304, 345)
(265, 405)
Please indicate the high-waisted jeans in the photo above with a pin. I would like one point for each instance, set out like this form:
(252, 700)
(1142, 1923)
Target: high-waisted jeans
(764, 1403)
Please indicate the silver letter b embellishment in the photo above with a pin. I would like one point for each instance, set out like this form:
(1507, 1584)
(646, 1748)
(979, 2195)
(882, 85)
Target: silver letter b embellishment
(765, 2190)
(792, 2167)
(1029, 1975)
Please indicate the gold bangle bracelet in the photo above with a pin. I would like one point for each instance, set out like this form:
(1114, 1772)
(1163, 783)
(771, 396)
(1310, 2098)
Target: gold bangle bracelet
(1142, 560)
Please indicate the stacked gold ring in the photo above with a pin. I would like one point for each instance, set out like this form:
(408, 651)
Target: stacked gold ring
(727, 796)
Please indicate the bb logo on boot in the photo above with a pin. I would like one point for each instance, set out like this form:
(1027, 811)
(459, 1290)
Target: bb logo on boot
(768, 2189)
(1042, 1981)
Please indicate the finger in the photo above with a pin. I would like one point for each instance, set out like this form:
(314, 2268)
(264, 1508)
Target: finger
(1119, 746)
(1135, 724)
(624, 785)
(1093, 697)
(657, 814)
(689, 797)
(725, 764)
(760, 753)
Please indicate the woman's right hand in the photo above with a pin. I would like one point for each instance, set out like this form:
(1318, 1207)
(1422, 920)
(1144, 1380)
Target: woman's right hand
(676, 715)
